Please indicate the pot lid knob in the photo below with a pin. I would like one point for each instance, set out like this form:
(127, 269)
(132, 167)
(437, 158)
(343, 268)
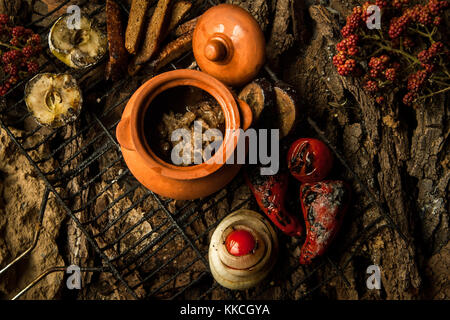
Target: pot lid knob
(229, 44)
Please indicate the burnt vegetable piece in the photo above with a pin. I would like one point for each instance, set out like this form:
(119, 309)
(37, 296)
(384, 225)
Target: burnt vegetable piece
(118, 56)
(135, 25)
(286, 108)
(324, 205)
(270, 192)
(309, 160)
(156, 31)
(260, 97)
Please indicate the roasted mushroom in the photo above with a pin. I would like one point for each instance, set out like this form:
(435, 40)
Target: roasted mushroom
(77, 48)
(53, 99)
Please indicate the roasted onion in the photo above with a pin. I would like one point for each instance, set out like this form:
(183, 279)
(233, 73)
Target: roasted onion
(243, 271)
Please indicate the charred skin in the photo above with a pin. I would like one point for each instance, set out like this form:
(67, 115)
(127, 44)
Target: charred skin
(309, 160)
(270, 193)
(324, 205)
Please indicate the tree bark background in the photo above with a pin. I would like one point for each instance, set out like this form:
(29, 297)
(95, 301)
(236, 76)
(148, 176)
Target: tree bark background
(400, 153)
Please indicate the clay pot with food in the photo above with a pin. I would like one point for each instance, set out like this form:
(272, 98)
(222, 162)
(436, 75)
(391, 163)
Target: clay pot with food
(145, 130)
(243, 250)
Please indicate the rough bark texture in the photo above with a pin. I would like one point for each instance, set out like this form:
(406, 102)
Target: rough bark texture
(400, 153)
(280, 38)
(21, 193)
(259, 9)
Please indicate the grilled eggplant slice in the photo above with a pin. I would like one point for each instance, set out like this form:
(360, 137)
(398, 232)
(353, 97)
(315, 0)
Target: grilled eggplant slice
(260, 97)
(287, 109)
(77, 48)
(53, 99)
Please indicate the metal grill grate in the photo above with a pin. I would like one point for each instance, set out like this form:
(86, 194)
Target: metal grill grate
(136, 257)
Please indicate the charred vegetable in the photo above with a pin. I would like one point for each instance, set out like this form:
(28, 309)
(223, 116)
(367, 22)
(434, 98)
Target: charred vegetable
(260, 97)
(78, 48)
(286, 106)
(270, 192)
(309, 160)
(53, 99)
(324, 205)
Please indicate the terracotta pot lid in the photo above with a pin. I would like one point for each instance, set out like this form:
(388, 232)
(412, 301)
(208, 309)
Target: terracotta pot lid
(229, 44)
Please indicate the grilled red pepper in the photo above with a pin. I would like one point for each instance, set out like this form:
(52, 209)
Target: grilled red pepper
(324, 205)
(270, 193)
(309, 160)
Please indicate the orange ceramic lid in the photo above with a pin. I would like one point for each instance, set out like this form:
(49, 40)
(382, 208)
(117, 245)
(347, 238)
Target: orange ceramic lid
(229, 44)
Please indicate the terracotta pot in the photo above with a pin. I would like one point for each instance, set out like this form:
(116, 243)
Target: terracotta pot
(229, 44)
(182, 183)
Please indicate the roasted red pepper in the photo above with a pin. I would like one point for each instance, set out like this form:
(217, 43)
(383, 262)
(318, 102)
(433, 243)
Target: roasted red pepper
(324, 205)
(309, 160)
(270, 194)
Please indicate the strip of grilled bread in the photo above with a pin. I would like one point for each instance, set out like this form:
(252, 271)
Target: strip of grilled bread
(185, 27)
(118, 56)
(179, 11)
(173, 50)
(156, 31)
(135, 25)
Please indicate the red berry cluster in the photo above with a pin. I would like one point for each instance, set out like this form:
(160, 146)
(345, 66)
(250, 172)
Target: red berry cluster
(19, 60)
(426, 15)
(428, 55)
(437, 7)
(406, 52)
(398, 4)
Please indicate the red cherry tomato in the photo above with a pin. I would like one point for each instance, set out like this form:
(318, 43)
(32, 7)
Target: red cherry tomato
(240, 243)
(309, 160)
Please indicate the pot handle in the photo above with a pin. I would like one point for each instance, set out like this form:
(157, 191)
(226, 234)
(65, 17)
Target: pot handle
(246, 114)
(123, 134)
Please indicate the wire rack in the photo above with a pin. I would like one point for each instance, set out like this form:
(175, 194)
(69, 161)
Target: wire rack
(162, 253)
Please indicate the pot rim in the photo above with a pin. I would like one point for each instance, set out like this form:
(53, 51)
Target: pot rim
(185, 77)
